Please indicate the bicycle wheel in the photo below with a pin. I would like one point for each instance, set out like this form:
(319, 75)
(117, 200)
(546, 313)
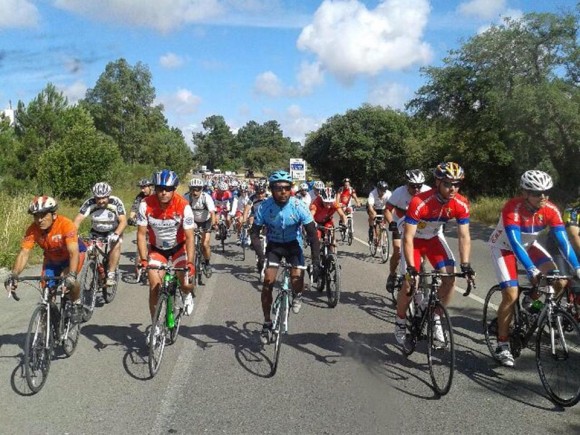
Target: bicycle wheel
(332, 280)
(490, 306)
(199, 269)
(373, 247)
(177, 306)
(71, 337)
(109, 293)
(440, 348)
(276, 337)
(384, 244)
(157, 335)
(558, 357)
(349, 232)
(396, 289)
(413, 324)
(223, 235)
(243, 237)
(37, 350)
(89, 286)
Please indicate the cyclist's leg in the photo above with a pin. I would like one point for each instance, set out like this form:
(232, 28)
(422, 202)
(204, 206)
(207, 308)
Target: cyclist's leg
(272, 262)
(402, 298)
(394, 261)
(295, 257)
(371, 220)
(441, 258)
(205, 241)
(115, 255)
(180, 259)
(155, 278)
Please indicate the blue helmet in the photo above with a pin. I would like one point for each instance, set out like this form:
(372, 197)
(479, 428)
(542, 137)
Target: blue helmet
(166, 178)
(280, 176)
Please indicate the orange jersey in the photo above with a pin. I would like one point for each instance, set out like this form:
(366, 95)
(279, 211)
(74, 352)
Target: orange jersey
(54, 242)
(345, 195)
(322, 214)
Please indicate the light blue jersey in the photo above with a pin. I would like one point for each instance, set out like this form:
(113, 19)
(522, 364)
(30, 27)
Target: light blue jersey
(283, 222)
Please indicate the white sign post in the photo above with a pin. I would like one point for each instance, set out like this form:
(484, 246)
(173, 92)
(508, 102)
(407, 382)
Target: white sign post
(298, 169)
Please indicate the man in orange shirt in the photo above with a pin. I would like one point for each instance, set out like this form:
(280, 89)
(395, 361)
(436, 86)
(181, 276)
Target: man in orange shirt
(323, 208)
(63, 252)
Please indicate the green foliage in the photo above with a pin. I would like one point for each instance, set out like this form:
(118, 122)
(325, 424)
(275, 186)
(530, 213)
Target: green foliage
(487, 210)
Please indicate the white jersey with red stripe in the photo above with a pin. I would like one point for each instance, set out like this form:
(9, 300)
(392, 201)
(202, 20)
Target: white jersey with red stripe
(399, 201)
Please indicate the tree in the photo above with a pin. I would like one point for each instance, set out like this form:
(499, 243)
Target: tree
(213, 147)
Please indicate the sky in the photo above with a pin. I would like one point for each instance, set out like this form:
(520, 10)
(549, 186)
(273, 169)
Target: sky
(298, 62)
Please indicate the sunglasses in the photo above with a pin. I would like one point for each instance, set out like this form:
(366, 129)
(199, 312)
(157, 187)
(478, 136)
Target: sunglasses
(281, 188)
(450, 184)
(164, 188)
(537, 193)
(195, 189)
(415, 186)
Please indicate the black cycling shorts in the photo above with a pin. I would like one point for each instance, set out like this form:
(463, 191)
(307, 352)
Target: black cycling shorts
(291, 251)
(204, 226)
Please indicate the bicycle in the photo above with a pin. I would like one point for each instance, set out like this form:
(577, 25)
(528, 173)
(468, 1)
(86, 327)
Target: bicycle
(330, 273)
(347, 232)
(421, 323)
(381, 242)
(200, 266)
(557, 343)
(50, 325)
(263, 244)
(95, 275)
(167, 317)
(244, 238)
(280, 313)
(222, 231)
(422, 284)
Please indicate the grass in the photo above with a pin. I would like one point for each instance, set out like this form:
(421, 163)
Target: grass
(487, 210)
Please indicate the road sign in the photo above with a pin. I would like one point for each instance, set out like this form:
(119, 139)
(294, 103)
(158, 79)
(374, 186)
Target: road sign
(298, 169)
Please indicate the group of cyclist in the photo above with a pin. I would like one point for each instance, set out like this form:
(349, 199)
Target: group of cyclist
(414, 212)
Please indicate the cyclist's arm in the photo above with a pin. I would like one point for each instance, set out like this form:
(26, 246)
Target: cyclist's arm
(565, 246)
(122, 224)
(464, 240)
(409, 231)
(78, 219)
(189, 244)
(255, 231)
(340, 212)
(21, 261)
(247, 210)
(142, 242)
(574, 236)
(312, 235)
(73, 253)
(388, 213)
(356, 199)
(514, 237)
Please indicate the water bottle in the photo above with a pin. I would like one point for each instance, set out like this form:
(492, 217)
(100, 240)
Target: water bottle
(170, 316)
(537, 306)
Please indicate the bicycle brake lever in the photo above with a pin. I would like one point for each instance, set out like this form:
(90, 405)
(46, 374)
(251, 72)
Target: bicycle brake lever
(14, 295)
(470, 286)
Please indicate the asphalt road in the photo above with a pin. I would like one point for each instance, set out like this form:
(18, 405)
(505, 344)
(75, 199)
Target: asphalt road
(340, 369)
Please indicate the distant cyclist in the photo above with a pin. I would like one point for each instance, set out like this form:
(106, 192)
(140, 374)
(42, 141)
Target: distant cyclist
(303, 194)
(146, 187)
(346, 195)
(323, 209)
(377, 206)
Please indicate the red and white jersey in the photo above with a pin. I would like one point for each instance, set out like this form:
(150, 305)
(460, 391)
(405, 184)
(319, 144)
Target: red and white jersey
(222, 200)
(399, 201)
(515, 215)
(429, 214)
(165, 226)
(345, 195)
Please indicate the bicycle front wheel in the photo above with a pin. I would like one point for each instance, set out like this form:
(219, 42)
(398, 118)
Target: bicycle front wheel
(157, 335)
(109, 293)
(490, 306)
(349, 232)
(276, 337)
(37, 349)
(558, 357)
(71, 337)
(198, 267)
(440, 348)
(384, 244)
(333, 280)
(89, 286)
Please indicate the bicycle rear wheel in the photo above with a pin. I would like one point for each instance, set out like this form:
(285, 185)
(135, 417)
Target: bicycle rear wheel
(440, 348)
(71, 337)
(332, 280)
(89, 286)
(109, 293)
(276, 337)
(37, 349)
(349, 232)
(199, 269)
(490, 306)
(558, 357)
(157, 335)
(384, 244)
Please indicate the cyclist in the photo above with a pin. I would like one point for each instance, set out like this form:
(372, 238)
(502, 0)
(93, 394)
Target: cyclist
(146, 189)
(316, 188)
(515, 239)
(204, 215)
(323, 209)
(168, 219)
(376, 206)
(221, 197)
(108, 220)
(237, 213)
(346, 194)
(396, 208)
(283, 215)
(423, 237)
(303, 194)
(63, 251)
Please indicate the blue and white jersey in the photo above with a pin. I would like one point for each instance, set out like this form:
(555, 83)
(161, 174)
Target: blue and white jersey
(283, 222)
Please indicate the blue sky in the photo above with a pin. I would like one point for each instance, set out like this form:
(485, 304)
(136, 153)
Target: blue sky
(295, 61)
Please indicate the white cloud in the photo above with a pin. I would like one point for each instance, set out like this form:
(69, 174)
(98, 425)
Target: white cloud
(181, 103)
(512, 14)
(309, 76)
(350, 39)
(296, 124)
(74, 92)
(18, 13)
(171, 61)
(484, 9)
(268, 83)
(391, 95)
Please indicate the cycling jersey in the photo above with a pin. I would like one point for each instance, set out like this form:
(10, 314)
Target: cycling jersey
(304, 197)
(239, 204)
(323, 215)
(283, 222)
(345, 195)
(399, 202)
(103, 219)
(54, 242)
(166, 226)
(376, 201)
(571, 216)
(519, 227)
(135, 206)
(256, 202)
(222, 200)
(202, 206)
(428, 213)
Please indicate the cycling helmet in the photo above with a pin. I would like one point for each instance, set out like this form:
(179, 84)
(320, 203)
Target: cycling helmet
(304, 186)
(234, 184)
(449, 170)
(382, 185)
(165, 178)
(243, 186)
(144, 182)
(196, 182)
(222, 185)
(42, 204)
(280, 177)
(536, 180)
(328, 195)
(346, 180)
(319, 185)
(102, 189)
(415, 176)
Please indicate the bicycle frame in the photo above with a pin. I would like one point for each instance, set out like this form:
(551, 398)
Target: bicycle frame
(283, 296)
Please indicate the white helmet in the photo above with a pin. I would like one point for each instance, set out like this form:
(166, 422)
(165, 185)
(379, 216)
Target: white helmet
(222, 185)
(234, 184)
(536, 180)
(196, 182)
(42, 204)
(102, 189)
(319, 185)
(304, 186)
(414, 176)
(243, 186)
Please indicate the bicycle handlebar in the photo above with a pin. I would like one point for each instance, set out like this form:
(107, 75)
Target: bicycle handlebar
(470, 281)
(12, 293)
(164, 267)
